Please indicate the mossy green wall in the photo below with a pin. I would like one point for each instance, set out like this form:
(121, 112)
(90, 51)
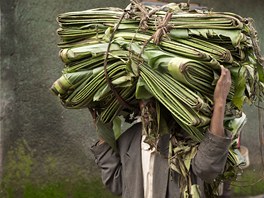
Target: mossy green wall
(44, 147)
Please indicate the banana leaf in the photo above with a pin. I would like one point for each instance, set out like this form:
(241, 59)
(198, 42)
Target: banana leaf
(181, 105)
(180, 71)
(78, 53)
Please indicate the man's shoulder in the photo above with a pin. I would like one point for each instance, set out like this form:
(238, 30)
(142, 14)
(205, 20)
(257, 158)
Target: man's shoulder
(133, 132)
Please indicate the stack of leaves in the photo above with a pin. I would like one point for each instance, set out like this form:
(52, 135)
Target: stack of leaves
(115, 58)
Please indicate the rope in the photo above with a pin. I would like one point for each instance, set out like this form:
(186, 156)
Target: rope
(162, 29)
(108, 80)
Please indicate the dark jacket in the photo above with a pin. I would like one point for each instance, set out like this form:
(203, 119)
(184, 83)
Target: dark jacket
(122, 171)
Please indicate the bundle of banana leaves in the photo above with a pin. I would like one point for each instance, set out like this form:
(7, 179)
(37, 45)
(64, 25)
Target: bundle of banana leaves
(114, 58)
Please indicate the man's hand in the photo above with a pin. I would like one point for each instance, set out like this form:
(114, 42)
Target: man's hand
(222, 87)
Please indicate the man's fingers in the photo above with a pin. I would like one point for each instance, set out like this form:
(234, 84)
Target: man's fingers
(225, 73)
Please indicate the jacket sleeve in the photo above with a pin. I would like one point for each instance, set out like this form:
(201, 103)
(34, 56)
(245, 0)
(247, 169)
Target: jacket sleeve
(211, 157)
(109, 163)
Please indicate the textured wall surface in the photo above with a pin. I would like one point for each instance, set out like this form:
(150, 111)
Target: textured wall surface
(40, 140)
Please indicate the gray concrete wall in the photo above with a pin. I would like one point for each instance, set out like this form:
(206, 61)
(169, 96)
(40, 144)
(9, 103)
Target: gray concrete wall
(41, 142)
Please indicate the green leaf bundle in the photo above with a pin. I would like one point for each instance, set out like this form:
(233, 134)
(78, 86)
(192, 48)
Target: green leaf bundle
(167, 53)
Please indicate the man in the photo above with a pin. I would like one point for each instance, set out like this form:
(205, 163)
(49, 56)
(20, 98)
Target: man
(124, 173)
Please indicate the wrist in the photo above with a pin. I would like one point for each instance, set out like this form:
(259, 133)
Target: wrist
(219, 131)
(219, 107)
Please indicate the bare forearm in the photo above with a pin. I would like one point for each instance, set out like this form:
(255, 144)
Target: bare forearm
(217, 120)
